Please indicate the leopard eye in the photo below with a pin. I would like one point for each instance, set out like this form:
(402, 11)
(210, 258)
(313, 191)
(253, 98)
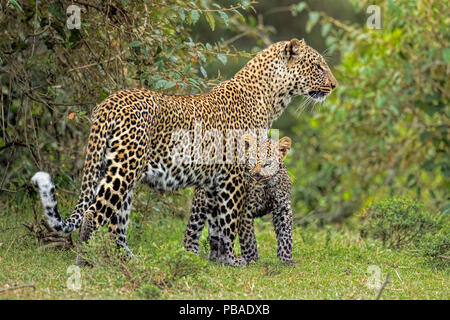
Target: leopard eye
(318, 66)
(267, 164)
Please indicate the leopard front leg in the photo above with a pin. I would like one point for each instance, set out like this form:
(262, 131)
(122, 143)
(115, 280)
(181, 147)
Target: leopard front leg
(247, 237)
(197, 219)
(204, 207)
(230, 200)
(214, 236)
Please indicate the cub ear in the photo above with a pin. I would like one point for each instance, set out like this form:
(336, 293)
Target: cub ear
(284, 145)
(293, 47)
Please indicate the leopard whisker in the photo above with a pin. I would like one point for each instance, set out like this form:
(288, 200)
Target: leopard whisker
(302, 106)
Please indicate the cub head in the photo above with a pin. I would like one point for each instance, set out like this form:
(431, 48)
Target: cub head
(269, 158)
(307, 72)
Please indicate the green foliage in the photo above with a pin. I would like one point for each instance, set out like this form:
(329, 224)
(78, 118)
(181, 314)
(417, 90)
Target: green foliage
(177, 262)
(101, 251)
(150, 292)
(435, 247)
(400, 223)
(51, 76)
(385, 130)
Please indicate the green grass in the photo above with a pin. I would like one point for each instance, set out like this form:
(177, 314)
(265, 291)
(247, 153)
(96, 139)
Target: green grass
(329, 264)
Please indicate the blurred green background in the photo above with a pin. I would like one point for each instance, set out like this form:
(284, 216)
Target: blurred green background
(384, 132)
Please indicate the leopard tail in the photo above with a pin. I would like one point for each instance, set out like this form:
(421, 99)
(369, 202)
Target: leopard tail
(91, 175)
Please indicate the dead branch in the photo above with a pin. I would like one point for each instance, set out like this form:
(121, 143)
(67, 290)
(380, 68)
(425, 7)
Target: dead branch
(382, 287)
(31, 285)
(45, 236)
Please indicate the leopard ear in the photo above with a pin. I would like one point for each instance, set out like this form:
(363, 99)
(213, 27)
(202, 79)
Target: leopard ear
(284, 145)
(294, 47)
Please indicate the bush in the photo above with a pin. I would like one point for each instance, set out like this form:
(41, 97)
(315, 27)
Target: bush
(52, 76)
(435, 248)
(150, 292)
(176, 262)
(400, 223)
(385, 129)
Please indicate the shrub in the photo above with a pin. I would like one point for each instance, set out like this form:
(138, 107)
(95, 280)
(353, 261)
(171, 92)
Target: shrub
(385, 129)
(435, 247)
(400, 223)
(150, 291)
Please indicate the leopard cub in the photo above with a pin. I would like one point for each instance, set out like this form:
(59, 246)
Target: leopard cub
(268, 191)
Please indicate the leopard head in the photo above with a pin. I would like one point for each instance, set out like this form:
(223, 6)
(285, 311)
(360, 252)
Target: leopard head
(307, 72)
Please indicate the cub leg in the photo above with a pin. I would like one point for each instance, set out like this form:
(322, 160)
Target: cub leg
(282, 222)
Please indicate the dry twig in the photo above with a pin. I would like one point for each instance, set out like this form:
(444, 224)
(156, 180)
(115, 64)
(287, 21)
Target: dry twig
(382, 287)
(31, 285)
(45, 236)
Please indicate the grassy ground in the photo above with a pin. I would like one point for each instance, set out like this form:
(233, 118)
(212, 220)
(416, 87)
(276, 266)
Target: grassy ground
(329, 264)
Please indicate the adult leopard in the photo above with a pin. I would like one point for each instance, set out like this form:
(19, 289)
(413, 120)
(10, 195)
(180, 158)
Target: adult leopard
(132, 140)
